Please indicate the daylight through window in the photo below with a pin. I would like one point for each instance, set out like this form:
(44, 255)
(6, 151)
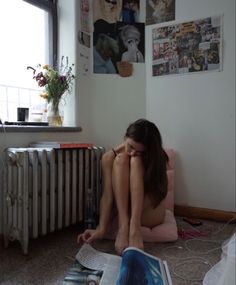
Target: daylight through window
(25, 41)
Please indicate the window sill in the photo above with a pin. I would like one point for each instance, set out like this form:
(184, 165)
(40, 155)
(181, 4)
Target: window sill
(36, 129)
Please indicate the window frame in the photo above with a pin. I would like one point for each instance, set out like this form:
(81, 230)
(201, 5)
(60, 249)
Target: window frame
(51, 7)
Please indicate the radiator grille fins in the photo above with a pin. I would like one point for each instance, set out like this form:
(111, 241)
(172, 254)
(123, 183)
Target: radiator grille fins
(45, 190)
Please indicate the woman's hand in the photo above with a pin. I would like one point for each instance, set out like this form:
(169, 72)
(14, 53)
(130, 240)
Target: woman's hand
(90, 235)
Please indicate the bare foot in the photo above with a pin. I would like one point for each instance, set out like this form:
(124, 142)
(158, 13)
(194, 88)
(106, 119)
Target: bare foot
(136, 239)
(122, 240)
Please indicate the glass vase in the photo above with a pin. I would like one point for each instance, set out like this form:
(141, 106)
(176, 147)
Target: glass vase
(55, 114)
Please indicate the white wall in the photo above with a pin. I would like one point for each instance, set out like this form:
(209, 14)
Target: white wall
(111, 102)
(196, 115)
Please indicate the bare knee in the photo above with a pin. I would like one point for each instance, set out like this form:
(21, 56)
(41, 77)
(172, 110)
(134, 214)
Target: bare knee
(107, 159)
(122, 160)
(107, 164)
(136, 164)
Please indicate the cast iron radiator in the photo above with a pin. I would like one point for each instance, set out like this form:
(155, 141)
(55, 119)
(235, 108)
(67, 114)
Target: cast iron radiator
(46, 190)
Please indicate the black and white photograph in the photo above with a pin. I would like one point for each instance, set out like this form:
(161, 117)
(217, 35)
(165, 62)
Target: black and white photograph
(131, 42)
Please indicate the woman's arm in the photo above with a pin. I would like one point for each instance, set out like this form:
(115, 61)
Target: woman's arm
(106, 201)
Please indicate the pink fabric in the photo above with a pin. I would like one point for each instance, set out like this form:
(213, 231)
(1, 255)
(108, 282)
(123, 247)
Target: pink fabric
(167, 231)
(191, 234)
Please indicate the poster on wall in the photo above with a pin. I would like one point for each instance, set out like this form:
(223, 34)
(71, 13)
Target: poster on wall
(84, 38)
(187, 47)
(116, 35)
(159, 11)
(84, 16)
(84, 59)
(105, 45)
(130, 11)
(84, 53)
(131, 42)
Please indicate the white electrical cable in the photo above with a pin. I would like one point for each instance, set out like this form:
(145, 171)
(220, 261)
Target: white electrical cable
(201, 260)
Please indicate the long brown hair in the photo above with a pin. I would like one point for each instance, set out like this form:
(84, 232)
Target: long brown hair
(155, 158)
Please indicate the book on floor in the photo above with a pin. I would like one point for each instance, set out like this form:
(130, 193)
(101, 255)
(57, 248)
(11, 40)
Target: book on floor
(135, 266)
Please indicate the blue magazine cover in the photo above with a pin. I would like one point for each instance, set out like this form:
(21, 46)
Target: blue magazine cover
(134, 267)
(138, 267)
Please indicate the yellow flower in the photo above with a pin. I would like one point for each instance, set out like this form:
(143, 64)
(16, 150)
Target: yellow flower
(46, 66)
(44, 95)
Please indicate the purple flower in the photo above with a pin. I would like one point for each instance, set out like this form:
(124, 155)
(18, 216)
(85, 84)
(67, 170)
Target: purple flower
(41, 80)
(63, 78)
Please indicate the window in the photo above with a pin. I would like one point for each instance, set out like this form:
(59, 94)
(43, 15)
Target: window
(28, 30)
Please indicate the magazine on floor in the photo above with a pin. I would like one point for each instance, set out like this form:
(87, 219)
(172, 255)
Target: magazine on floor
(135, 267)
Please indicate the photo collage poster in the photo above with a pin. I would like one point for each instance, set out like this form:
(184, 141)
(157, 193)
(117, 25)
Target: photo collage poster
(187, 47)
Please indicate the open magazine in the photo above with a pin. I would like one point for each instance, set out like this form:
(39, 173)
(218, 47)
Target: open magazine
(135, 267)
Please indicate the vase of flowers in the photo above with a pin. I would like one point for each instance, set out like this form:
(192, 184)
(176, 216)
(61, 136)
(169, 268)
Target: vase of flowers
(57, 82)
(55, 113)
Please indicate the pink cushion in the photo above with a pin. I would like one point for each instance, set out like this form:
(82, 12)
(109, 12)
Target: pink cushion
(167, 231)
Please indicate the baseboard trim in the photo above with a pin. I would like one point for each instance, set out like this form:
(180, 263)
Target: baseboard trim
(204, 213)
(199, 213)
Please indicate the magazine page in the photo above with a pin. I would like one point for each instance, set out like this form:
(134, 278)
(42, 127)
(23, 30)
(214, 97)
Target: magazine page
(97, 260)
(139, 267)
(169, 280)
(80, 275)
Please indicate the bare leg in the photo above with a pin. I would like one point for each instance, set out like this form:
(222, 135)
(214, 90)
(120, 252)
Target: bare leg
(107, 195)
(137, 198)
(120, 182)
